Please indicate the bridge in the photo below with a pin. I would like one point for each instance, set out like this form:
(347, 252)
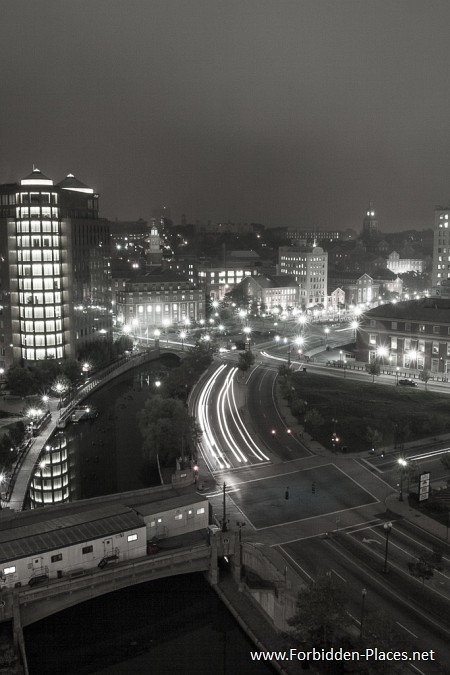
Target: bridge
(39, 602)
(23, 472)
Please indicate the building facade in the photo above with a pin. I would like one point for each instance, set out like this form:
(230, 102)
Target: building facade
(55, 271)
(156, 300)
(309, 268)
(412, 335)
(271, 292)
(441, 248)
(217, 280)
(402, 265)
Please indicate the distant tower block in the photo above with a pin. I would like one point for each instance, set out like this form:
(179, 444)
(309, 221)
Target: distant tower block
(370, 222)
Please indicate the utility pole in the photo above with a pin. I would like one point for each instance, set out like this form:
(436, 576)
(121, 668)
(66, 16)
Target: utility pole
(224, 515)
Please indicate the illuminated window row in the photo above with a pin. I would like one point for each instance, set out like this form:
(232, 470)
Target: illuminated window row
(37, 197)
(36, 241)
(41, 340)
(40, 299)
(38, 270)
(38, 255)
(41, 354)
(37, 227)
(29, 212)
(31, 312)
(41, 326)
(46, 284)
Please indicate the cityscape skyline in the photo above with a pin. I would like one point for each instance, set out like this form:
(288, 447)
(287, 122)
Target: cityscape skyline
(235, 111)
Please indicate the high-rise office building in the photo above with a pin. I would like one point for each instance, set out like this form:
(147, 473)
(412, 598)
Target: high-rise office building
(54, 269)
(309, 267)
(440, 276)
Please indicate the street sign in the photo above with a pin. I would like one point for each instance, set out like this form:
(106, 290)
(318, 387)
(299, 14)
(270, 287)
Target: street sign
(424, 486)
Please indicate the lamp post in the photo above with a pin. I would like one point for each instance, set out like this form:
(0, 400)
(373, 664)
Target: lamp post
(397, 370)
(247, 331)
(45, 400)
(156, 334)
(166, 325)
(363, 599)
(183, 337)
(326, 331)
(334, 438)
(387, 531)
(402, 463)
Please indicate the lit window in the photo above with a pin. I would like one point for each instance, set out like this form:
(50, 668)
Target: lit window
(132, 537)
(200, 511)
(9, 570)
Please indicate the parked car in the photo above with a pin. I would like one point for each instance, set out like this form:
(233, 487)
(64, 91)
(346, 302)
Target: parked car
(407, 383)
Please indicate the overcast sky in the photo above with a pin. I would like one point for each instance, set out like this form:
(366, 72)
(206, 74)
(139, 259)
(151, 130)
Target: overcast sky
(284, 113)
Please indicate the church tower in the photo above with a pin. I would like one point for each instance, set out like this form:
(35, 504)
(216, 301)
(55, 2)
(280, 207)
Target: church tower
(370, 223)
(153, 251)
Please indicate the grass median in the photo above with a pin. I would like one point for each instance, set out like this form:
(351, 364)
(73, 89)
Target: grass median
(397, 415)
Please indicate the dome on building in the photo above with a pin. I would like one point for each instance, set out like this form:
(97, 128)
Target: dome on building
(72, 183)
(36, 177)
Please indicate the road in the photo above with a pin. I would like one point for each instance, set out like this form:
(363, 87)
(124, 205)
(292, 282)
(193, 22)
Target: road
(356, 558)
(290, 497)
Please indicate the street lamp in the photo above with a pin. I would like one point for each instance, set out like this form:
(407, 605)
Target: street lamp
(402, 463)
(363, 599)
(354, 325)
(166, 325)
(397, 370)
(183, 337)
(334, 438)
(387, 531)
(247, 330)
(156, 334)
(45, 400)
(326, 331)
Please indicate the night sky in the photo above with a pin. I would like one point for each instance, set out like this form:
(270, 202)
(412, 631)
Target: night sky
(283, 113)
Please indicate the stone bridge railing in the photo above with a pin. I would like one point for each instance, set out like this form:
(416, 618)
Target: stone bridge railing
(38, 602)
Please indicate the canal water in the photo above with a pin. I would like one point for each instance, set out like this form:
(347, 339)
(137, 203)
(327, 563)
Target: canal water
(171, 626)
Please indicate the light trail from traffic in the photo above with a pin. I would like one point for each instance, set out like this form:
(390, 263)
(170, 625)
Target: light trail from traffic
(208, 442)
(234, 444)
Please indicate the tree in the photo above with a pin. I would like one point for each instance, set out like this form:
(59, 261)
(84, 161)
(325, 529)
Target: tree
(167, 429)
(425, 564)
(321, 611)
(20, 381)
(246, 360)
(373, 368)
(382, 632)
(374, 437)
(123, 344)
(313, 420)
(425, 375)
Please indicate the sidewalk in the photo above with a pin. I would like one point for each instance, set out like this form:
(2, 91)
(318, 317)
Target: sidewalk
(253, 622)
(404, 510)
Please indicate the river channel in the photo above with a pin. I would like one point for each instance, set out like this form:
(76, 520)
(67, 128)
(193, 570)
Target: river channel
(127, 632)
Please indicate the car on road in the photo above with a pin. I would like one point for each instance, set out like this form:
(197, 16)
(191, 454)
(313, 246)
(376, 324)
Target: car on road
(407, 382)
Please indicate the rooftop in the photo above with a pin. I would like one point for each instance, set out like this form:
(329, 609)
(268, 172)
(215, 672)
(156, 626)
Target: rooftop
(435, 310)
